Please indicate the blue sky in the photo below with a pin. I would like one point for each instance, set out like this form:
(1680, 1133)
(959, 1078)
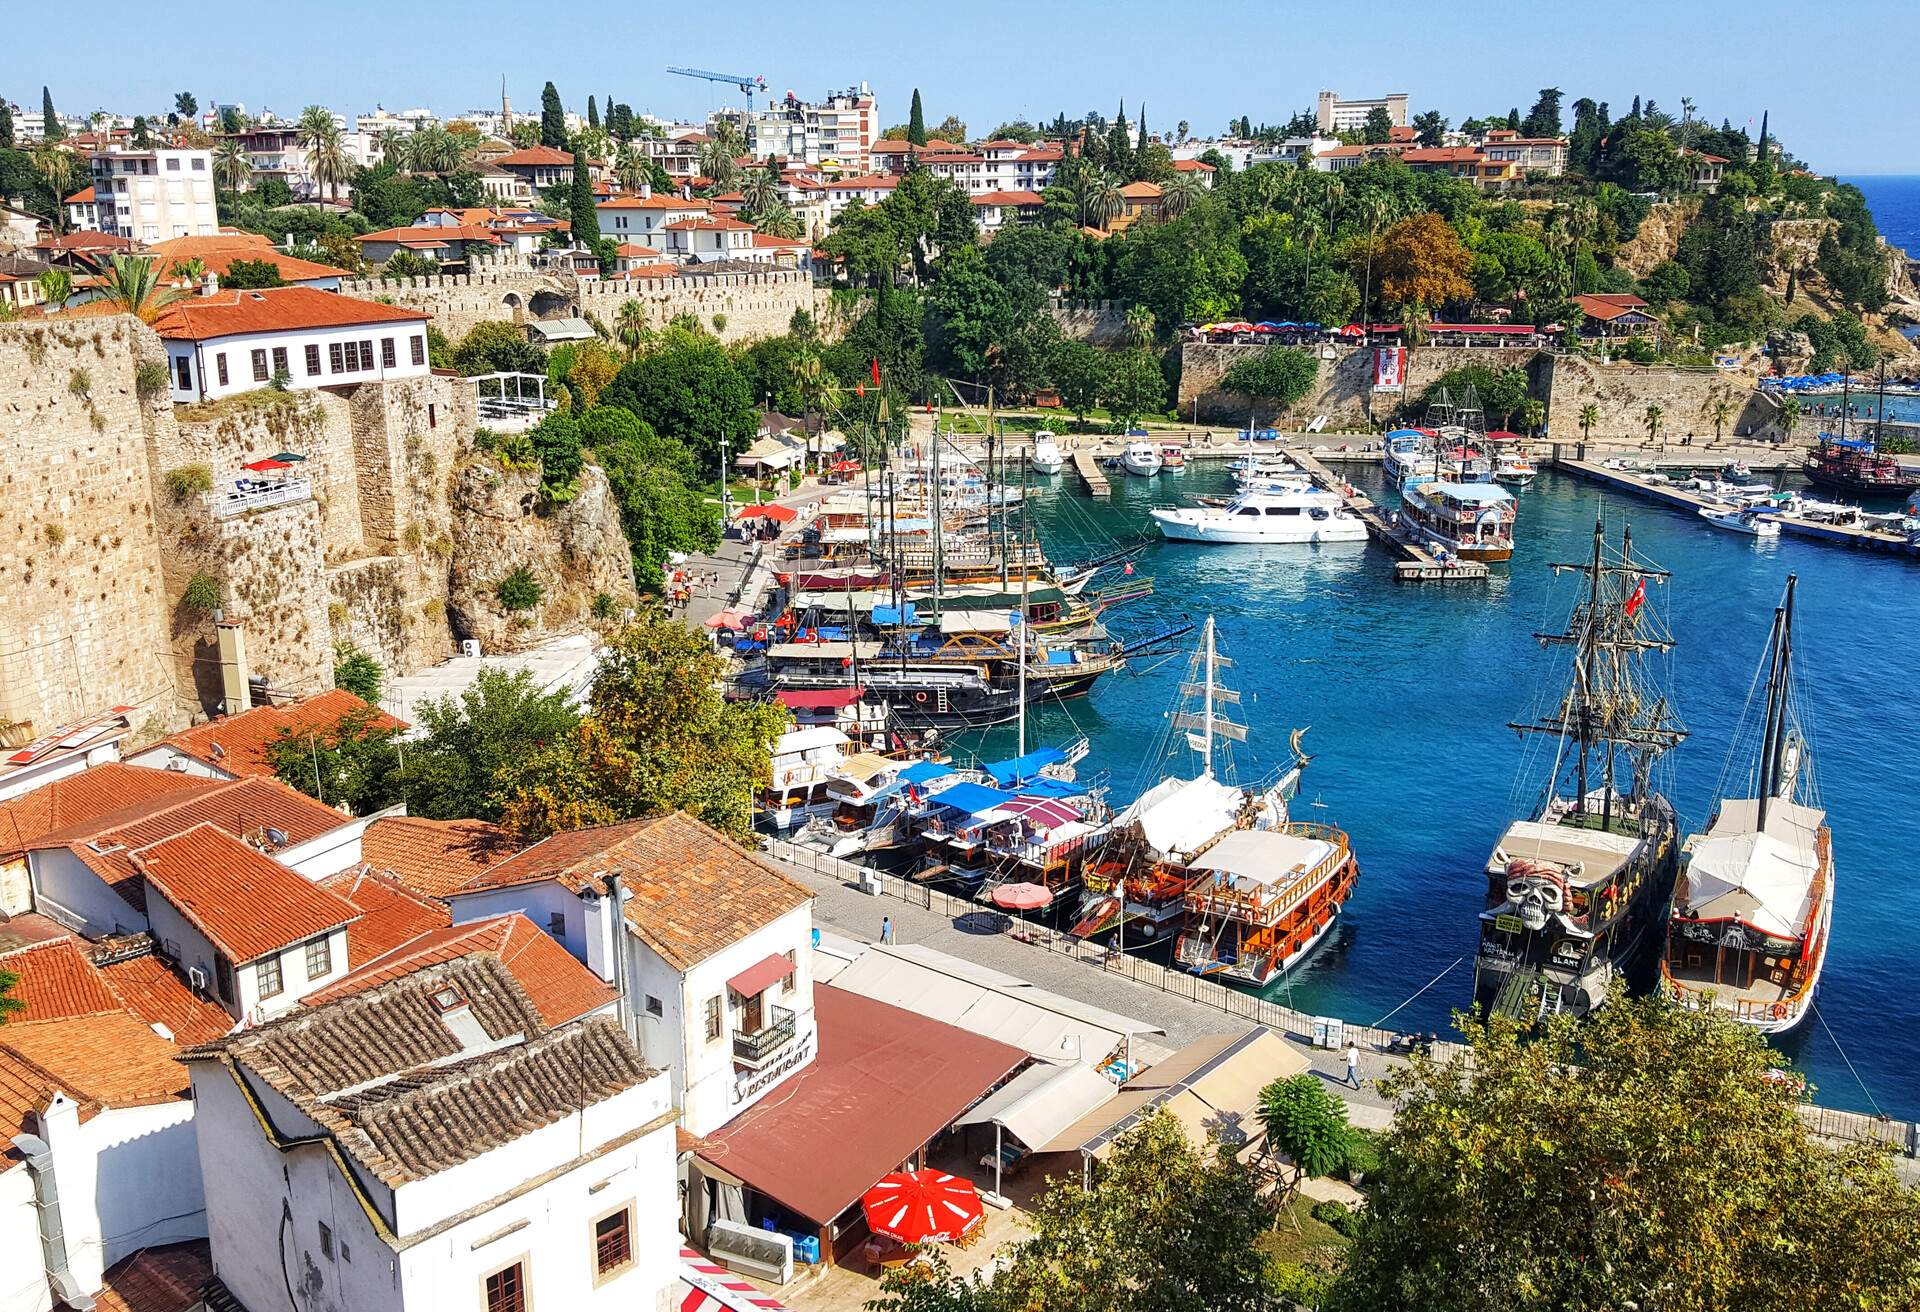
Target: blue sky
(992, 60)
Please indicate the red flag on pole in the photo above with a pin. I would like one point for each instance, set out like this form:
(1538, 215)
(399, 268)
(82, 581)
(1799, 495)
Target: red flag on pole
(859, 389)
(1638, 599)
(876, 371)
(1129, 568)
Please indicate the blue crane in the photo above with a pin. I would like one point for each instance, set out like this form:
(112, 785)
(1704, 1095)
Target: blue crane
(746, 84)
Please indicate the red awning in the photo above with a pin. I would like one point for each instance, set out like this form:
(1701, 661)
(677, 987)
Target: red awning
(819, 699)
(845, 467)
(755, 979)
(778, 514)
(265, 466)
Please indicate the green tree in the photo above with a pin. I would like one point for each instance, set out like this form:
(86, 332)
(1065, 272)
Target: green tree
(1378, 129)
(1644, 1157)
(1307, 1123)
(471, 743)
(6, 126)
(1666, 282)
(1430, 128)
(556, 440)
(319, 138)
(251, 274)
(586, 219)
(1719, 410)
(133, 283)
(1080, 373)
(593, 115)
(689, 389)
(1543, 120)
(1280, 374)
(1654, 418)
(353, 763)
(357, 672)
(50, 129)
(658, 736)
(9, 1005)
(916, 122)
(553, 119)
(1589, 420)
(1790, 416)
(56, 286)
(497, 347)
(408, 264)
(142, 132)
(1135, 387)
(232, 166)
(185, 105)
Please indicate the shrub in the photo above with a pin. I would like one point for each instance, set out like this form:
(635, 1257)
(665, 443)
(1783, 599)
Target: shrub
(80, 382)
(517, 452)
(604, 606)
(203, 593)
(55, 534)
(1306, 1122)
(519, 590)
(357, 672)
(1335, 1216)
(186, 480)
(1363, 1156)
(149, 378)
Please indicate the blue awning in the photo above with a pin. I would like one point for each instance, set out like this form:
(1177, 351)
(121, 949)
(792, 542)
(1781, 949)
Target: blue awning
(974, 799)
(894, 614)
(1022, 768)
(1045, 787)
(921, 772)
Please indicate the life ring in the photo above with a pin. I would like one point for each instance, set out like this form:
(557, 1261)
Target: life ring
(1779, 1010)
(920, 697)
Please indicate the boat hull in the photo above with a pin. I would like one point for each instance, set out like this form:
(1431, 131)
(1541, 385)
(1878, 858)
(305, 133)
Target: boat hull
(1141, 468)
(1220, 529)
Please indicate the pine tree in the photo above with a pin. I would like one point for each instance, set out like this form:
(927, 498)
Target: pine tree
(1118, 152)
(1513, 118)
(553, 119)
(593, 114)
(1142, 143)
(49, 121)
(586, 220)
(917, 122)
(6, 126)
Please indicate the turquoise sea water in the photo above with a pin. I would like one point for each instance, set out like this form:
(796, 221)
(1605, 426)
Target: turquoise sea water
(1408, 689)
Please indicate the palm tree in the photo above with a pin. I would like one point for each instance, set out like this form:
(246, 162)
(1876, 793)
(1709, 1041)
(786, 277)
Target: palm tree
(630, 327)
(393, 148)
(1653, 416)
(1790, 416)
(1137, 331)
(630, 167)
(192, 271)
(1179, 192)
(434, 150)
(56, 166)
(819, 389)
(1374, 211)
(1533, 413)
(1589, 420)
(1720, 409)
(56, 285)
(133, 283)
(779, 221)
(761, 189)
(717, 162)
(232, 166)
(1100, 199)
(327, 162)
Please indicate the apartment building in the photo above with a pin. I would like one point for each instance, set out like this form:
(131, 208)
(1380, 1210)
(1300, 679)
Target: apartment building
(153, 195)
(1335, 115)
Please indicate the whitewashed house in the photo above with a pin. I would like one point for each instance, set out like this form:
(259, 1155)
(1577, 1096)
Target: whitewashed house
(226, 342)
(716, 964)
(431, 1143)
(642, 220)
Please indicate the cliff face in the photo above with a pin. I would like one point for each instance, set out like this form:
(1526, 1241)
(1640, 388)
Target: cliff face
(1658, 236)
(574, 552)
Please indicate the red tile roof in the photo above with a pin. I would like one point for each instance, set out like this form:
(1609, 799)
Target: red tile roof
(247, 905)
(80, 797)
(219, 252)
(278, 309)
(243, 739)
(85, 241)
(767, 241)
(434, 857)
(1607, 306)
(1009, 198)
(111, 1059)
(871, 182)
(1141, 191)
(430, 234)
(57, 980)
(155, 992)
(168, 1278)
(82, 197)
(651, 203)
(693, 890)
(560, 988)
(650, 271)
(533, 156)
(390, 913)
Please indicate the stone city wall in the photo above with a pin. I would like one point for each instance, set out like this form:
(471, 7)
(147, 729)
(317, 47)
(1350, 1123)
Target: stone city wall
(1343, 391)
(1621, 393)
(1102, 323)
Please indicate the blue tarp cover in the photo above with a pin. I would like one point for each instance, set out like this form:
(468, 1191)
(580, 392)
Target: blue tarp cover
(1059, 658)
(1024, 767)
(922, 771)
(1052, 788)
(974, 799)
(891, 614)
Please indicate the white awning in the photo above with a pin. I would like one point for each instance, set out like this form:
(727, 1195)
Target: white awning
(1176, 816)
(1041, 1101)
(975, 621)
(1764, 879)
(1263, 857)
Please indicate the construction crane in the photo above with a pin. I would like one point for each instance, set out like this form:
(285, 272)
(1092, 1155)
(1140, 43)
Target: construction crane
(746, 84)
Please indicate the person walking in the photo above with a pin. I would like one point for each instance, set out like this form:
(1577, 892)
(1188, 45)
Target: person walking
(886, 929)
(1353, 1063)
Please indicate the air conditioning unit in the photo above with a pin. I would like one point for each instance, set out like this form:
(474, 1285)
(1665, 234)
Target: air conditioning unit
(197, 978)
(470, 647)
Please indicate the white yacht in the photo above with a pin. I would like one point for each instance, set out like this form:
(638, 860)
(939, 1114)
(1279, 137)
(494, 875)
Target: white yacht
(1142, 458)
(1289, 515)
(1045, 456)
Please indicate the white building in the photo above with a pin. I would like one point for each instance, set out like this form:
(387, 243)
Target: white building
(1335, 115)
(432, 1143)
(83, 211)
(841, 129)
(642, 220)
(151, 195)
(238, 341)
(715, 968)
(704, 240)
(406, 121)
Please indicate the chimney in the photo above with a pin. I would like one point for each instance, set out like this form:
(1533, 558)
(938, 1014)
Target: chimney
(210, 284)
(235, 694)
(289, 241)
(646, 191)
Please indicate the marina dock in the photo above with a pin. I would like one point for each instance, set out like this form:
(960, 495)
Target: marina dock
(1844, 535)
(1085, 465)
(1413, 564)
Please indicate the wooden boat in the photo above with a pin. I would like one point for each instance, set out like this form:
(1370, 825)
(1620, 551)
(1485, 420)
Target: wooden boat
(1265, 900)
(1473, 521)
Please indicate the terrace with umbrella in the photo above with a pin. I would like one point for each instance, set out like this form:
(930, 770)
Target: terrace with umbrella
(270, 481)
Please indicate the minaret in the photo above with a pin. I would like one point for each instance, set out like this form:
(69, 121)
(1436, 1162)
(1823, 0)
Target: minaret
(506, 109)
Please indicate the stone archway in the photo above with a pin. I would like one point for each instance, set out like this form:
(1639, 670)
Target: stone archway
(515, 306)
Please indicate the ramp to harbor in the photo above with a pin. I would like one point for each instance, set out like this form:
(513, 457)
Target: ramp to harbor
(1413, 564)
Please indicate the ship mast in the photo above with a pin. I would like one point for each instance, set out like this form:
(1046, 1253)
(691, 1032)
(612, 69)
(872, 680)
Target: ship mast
(1777, 683)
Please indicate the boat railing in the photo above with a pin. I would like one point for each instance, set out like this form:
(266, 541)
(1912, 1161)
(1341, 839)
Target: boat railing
(1271, 902)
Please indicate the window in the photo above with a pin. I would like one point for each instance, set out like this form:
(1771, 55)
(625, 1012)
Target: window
(613, 1243)
(507, 1290)
(260, 366)
(557, 924)
(433, 415)
(220, 366)
(387, 360)
(173, 166)
(319, 957)
(199, 165)
(787, 984)
(267, 976)
(313, 359)
(183, 369)
(366, 354)
(280, 362)
(655, 1007)
(713, 1018)
(419, 346)
(326, 1240)
(333, 358)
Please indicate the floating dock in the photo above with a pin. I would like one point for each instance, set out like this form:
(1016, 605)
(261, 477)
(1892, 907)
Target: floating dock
(1843, 535)
(1413, 564)
(1091, 474)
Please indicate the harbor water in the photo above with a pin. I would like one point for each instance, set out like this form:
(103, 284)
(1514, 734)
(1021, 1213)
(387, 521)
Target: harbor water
(1408, 689)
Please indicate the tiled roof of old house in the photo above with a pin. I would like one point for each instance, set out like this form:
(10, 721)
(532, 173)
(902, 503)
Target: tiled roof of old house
(242, 740)
(390, 912)
(247, 905)
(78, 798)
(165, 1278)
(149, 987)
(110, 1059)
(272, 310)
(57, 980)
(382, 1071)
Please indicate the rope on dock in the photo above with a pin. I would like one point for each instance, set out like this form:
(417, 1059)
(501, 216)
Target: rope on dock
(1423, 988)
(1815, 1009)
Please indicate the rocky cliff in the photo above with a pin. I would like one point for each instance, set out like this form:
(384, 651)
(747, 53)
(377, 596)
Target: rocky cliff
(1658, 236)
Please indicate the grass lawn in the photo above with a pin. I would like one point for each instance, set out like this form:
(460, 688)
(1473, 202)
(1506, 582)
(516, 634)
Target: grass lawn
(1300, 1239)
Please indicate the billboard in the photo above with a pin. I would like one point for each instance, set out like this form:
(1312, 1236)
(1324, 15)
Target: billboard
(1390, 369)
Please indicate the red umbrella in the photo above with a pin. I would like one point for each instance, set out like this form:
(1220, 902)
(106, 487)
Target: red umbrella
(1022, 897)
(262, 466)
(918, 1207)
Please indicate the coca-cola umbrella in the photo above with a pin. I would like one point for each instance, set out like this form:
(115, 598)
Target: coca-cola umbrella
(1022, 897)
(924, 1206)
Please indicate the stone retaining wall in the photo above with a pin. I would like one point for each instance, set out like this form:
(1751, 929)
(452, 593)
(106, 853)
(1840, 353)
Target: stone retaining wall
(1343, 392)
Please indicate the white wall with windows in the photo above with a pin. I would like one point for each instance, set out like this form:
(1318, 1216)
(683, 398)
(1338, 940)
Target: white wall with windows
(253, 990)
(309, 357)
(155, 195)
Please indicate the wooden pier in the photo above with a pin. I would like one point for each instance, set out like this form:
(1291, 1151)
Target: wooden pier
(1091, 474)
(1413, 564)
(1844, 535)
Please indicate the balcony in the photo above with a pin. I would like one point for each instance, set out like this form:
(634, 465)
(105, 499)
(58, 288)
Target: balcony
(760, 1047)
(252, 494)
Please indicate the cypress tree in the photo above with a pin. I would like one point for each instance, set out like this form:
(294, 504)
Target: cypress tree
(49, 121)
(593, 114)
(1760, 156)
(1513, 118)
(1117, 151)
(140, 134)
(586, 219)
(1635, 116)
(553, 119)
(1142, 143)
(917, 122)
(6, 126)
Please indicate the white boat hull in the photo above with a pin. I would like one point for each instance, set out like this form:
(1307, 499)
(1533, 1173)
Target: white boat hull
(1043, 466)
(1182, 526)
(1141, 465)
(1752, 526)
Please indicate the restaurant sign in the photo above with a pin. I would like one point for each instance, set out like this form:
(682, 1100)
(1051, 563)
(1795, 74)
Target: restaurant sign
(749, 1083)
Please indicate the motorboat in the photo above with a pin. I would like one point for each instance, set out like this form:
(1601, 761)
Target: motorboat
(1142, 458)
(1749, 520)
(1471, 521)
(1045, 456)
(1173, 457)
(1514, 469)
(1293, 515)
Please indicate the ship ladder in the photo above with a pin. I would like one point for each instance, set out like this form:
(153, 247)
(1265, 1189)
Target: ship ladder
(1516, 993)
(942, 703)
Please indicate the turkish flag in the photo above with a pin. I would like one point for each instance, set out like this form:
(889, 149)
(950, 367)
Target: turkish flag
(859, 389)
(876, 371)
(1129, 568)
(1638, 599)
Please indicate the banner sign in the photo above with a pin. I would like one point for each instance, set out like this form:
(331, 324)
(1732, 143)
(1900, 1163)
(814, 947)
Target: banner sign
(1390, 369)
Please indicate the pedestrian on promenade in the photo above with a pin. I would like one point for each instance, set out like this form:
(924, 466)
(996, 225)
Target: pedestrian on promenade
(1353, 1063)
(886, 929)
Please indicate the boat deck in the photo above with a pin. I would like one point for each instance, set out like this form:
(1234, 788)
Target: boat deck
(1414, 564)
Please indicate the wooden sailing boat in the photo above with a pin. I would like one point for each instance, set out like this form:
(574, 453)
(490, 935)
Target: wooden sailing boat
(1577, 897)
(1753, 912)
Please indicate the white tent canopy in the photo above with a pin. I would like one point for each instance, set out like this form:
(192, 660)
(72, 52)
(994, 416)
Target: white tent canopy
(1041, 1101)
(1260, 858)
(1762, 878)
(1178, 816)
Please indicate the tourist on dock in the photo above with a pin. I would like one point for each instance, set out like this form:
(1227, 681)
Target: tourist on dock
(1353, 1063)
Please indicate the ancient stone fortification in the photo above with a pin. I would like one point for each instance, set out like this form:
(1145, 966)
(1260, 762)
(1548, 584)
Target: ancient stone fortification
(1342, 392)
(735, 306)
(1621, 393)
(105, 531)
(1103, 323)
